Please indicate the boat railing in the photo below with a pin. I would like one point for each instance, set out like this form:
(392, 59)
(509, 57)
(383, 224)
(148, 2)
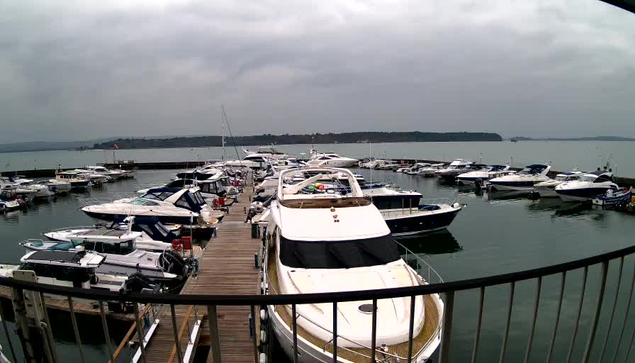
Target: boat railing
(604, 319)
(438, 200)
(330, 331)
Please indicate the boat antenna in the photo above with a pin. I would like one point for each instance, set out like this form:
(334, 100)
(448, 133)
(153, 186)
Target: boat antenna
(230, 133)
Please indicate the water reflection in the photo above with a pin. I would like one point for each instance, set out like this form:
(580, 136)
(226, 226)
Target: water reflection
(507, 195)
(432, 243)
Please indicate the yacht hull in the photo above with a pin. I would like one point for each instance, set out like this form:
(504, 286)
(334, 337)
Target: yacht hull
(516, 185)
(419, 222)
(581, 195)
(165, 219)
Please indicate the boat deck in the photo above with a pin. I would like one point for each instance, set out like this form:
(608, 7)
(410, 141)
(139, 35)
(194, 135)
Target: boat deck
(226, 268)
(428, 332)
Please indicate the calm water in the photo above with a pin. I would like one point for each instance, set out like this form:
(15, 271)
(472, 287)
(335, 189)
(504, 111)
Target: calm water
(563, 155)
(488, 237)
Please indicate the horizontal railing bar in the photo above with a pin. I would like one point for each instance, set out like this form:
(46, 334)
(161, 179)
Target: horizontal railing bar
(317, 298)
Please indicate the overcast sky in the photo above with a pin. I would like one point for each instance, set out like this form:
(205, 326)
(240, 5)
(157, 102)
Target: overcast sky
(74, 70)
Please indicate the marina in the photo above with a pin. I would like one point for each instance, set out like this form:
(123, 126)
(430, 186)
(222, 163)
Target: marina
(228, 262)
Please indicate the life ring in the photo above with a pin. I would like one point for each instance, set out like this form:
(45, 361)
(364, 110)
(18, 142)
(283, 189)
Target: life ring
(176, 245)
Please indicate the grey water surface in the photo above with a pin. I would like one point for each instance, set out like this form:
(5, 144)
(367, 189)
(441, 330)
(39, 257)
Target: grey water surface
(489, 237)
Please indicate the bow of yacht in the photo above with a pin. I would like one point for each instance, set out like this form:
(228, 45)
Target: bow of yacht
(324, 239)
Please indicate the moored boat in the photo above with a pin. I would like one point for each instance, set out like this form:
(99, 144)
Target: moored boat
(321, 240)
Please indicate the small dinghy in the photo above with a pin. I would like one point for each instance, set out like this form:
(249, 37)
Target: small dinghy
(613, 197)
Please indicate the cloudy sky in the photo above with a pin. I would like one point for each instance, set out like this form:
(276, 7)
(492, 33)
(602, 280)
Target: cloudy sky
(74, 70)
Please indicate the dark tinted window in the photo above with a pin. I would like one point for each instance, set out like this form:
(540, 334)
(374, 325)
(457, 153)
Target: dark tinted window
(338, 254)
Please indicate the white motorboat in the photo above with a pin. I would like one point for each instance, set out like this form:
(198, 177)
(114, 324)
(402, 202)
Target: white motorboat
(64, 268)
(96, 179)
(263, 153)
(330, 159)
(77, 180)
(456, 167)
(431, 170)
(524, 180)
(206, 171)
(170, 205)
(113, 174)
(148, 233)
(30, 189)
(414, 170)
(547, 189)
(10, 205)
(587, 187)
(484, 174)
(58, 186)
(122, 256)
(322, 241)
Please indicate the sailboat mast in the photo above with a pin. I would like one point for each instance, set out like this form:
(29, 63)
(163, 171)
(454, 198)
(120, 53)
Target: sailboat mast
(223, 140)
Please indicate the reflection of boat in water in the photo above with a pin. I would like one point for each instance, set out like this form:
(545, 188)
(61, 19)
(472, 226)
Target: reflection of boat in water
(545, 205)
(507, 195)
(432, 243)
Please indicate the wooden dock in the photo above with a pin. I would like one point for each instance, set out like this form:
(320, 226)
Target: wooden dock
(226, 268)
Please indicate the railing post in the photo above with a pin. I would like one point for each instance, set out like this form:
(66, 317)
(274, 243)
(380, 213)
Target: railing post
(479, 322)
(628, 309)
(617, 295)
(577, 319)
(335, 332)
(563, 281)
(295, 333)
(598, 310)
(104, 322)
(78, 339)
(256, 333)
(411, 326)
(214, 348)
(177, 341)
(373, 332)
(447, 327)
(509, 318)
(140, 333)
(533, 320)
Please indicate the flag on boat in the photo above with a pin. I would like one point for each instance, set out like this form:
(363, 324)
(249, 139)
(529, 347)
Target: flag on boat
(116, 146)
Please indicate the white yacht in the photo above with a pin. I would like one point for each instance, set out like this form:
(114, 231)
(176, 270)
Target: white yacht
(58, 186)
(96, 179)
(10, 205)
(147, 233)
(323, 241)
(524, 180)
(113, 174)
(455, 168)
(170, 205)
(264, 152)
(330, 159)
(68, 269)
(484, 174)
(28, 189)
(414, 170)
(431, 170)
(547, 189)
(122, 257)
(78, 182)
(587, 187)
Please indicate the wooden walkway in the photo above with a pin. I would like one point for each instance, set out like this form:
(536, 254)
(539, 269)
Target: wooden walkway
(226, 268)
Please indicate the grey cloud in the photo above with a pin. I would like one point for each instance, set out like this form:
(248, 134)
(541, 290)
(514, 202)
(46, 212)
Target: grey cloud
(73, 71)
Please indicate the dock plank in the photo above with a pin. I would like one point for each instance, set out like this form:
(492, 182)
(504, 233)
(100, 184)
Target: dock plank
(226, 267)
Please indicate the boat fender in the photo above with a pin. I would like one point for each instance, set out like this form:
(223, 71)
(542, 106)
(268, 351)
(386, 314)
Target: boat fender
(263, 314)
(263, 358)
(263, 336)
(94, 279)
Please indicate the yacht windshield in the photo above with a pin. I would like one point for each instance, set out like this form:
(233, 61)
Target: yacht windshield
(143, 201)
(588, 178)
(338, 254)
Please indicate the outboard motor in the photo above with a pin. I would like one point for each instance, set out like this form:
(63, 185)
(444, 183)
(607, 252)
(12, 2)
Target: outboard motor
(173, 263)
(138, 282)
